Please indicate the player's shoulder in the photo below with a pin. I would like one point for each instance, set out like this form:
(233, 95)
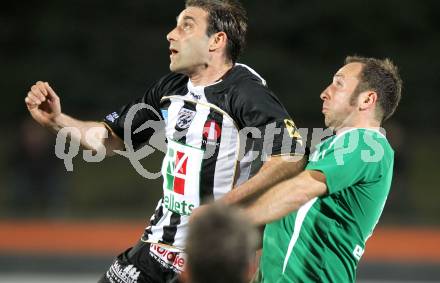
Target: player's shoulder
(377, 137)
(368, 136)
(245, 84)
(243, 77)
(361, 139)
(247, 75)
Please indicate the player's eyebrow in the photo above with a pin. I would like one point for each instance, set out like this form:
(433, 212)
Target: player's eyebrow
(186, 18)
(339, 75)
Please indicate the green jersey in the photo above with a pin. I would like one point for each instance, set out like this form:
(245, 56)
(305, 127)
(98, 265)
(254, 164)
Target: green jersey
(324, 240)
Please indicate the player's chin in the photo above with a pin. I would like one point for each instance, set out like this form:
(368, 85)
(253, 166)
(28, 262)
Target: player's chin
(327, 121)
(174, 67)
(178, 69)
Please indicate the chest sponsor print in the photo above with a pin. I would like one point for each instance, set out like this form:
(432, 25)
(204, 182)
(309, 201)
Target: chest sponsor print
(181, 171)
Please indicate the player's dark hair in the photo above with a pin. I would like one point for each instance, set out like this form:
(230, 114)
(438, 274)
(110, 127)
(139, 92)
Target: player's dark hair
(220, 246)
(381, 76)
(226, 16)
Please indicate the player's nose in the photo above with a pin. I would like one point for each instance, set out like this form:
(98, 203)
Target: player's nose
(324, 94)
(172, 35)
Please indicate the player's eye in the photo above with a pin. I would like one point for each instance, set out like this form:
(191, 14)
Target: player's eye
(187, 26)
(338, 83)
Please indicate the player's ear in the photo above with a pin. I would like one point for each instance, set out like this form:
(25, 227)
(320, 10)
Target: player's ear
(367, 99)
(218, 40)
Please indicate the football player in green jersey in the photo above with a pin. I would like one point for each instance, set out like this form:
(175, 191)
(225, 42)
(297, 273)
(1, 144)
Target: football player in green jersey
(320, 220)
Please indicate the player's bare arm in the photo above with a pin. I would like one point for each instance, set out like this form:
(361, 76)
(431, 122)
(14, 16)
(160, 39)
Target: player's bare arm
(287, 196)
(45, 107)
(275, 170)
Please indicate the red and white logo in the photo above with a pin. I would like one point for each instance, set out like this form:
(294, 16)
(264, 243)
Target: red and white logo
(180, 174)
(211, 130)
(169, 259)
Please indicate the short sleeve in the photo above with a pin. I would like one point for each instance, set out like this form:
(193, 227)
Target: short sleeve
(141, 110)
(344, 164)
(255, 106)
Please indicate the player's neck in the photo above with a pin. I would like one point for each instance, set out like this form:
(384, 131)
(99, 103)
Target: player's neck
(209, 74)
(364, 124)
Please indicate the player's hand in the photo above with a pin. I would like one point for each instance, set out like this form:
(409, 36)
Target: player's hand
(43, 103)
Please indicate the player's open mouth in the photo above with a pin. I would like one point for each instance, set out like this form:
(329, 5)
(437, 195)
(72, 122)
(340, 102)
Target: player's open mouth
(173, 51)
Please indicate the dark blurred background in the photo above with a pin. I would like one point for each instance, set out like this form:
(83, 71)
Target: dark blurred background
(98, 55)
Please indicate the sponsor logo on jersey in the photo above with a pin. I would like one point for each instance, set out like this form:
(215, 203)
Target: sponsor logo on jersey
(168, 259)
(119, 273)
(211, 130)
(185, 118)
(181, 172)
(358, 252)
(176, 171)
(292, 130)
(211, 133)
(112, 117)
(196, 96)
(180, 207)
(175, 177)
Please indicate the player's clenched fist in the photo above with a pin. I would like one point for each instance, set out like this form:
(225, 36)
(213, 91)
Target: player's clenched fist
(43, 103)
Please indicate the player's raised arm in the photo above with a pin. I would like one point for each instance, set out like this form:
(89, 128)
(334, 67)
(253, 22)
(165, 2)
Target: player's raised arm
(45, 107)
(275, 170)
(287, 196)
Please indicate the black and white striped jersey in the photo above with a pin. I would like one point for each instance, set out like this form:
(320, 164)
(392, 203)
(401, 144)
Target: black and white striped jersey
(216, 137)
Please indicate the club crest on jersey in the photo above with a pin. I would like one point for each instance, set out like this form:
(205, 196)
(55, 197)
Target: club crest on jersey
(185, 118)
